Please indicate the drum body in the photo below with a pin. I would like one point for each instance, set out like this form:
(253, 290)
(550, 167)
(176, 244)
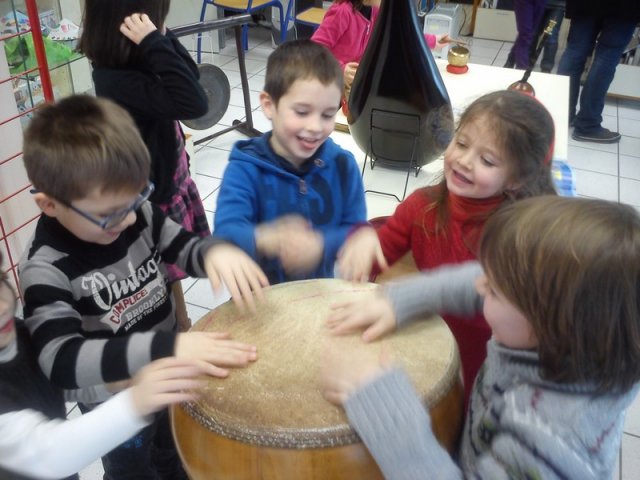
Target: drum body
(270, 421)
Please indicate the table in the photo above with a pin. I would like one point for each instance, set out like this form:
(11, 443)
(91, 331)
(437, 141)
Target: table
(552, 90)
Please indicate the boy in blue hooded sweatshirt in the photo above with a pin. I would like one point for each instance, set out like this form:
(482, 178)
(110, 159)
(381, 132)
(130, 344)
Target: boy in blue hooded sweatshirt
(289, 197)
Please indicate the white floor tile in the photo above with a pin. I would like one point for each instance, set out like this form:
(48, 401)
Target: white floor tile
(630, 146)
(212, 161)
(233, 77)
(486, 43)
(260, 53)
(630, 127)
(196, 313)
(187, 283)
(206, 185)
(630, 191)
(610, 108)
(237, 98)
(630, 167)
(596, 185)
(93, 471)
(224, 142)
(484, 51)
(580, 155)
(629, 109)
(256, 82)
(202, 295)
(630, 461)
(260, 122)
(252, 66)
(632, 422)
(220, 60)
(72, 409)
(232, 114)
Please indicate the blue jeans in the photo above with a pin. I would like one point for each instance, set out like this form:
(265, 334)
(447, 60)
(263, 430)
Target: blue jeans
(610, 36)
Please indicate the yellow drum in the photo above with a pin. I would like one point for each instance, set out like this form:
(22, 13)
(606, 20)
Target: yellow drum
(270, 421)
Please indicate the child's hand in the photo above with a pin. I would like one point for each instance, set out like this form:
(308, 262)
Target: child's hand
(301, 251)
(349, 73)
(242, 276)
(343, 371)
(115, 387)
(442, 40)
(137, 26)
(270, 235)
(374, 313)
(357, 256)
(164, 382)
(216, 349)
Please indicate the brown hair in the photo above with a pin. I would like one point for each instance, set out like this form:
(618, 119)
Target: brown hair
(525, 133)
(572, 267)
(300, 60)
(101, 40)
(81, 143)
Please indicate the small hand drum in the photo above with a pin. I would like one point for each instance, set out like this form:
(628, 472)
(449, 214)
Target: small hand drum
(270, 421)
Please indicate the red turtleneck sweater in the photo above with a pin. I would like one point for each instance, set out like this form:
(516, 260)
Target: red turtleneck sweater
(413, 227)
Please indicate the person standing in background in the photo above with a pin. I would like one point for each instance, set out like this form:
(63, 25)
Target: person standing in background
(604, 28)
(528, 16)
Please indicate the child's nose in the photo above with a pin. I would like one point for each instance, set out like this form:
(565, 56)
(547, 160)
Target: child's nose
(466, 160)
(314, 124)
(130, 219)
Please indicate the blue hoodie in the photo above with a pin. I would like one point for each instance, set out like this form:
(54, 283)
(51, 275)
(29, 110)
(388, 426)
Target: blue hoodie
(260, 186)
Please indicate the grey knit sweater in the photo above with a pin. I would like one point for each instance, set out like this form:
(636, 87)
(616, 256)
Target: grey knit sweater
(518, 425)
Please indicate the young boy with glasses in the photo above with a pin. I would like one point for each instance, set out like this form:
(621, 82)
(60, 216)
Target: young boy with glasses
(96, 299)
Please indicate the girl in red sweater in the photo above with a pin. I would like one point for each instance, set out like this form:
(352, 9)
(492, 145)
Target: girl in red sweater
(501, 152)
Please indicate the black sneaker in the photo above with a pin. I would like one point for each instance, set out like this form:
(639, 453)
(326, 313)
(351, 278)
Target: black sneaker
(604, 135)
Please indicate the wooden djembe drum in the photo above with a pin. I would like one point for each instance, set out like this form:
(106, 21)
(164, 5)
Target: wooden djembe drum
(270, 421)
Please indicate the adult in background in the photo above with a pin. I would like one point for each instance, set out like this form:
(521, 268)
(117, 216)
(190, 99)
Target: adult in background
(604, 28)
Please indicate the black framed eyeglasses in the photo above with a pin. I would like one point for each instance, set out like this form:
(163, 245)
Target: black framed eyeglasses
(113, 219)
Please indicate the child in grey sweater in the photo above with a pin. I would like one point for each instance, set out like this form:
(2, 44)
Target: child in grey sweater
(560, 292)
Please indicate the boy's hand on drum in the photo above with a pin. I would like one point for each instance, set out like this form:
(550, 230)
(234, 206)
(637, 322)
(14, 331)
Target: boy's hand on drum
(345, 370)
(242, 276)
(136, 27)
(358, 255)
(164, 382)
(374, 314)
(216, 349)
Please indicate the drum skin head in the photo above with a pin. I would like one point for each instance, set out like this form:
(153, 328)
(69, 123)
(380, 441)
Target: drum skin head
(216, 86)
(276, 401)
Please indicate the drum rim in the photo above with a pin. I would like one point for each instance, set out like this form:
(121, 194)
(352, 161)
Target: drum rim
(304, 438)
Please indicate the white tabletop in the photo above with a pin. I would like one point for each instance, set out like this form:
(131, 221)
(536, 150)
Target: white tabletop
(551, 90)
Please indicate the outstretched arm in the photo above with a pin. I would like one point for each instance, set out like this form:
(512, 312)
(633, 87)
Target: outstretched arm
(33, 445)
(448, 289)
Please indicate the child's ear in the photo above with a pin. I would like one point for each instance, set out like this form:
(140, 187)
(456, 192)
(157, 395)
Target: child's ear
(267, 104)
(48, 205)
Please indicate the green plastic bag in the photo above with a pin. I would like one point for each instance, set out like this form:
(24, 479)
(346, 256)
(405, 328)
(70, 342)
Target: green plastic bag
(21, 55)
